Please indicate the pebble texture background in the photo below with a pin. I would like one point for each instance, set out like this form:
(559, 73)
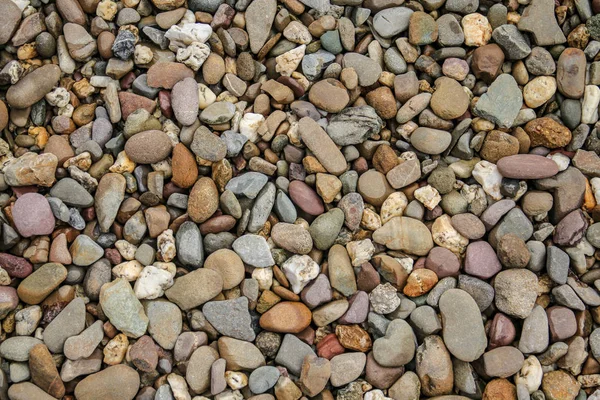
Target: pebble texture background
(294, 199)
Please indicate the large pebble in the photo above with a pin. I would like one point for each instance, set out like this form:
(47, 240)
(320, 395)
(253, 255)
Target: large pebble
(463, 330)
(148, 147)
(119, 382)
(32, 215)
(33, 86)
(195, 288)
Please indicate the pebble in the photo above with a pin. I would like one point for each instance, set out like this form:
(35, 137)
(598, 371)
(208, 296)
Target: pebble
(397, 347)
(448, 101)
(123, 309)
(103, 383)
(185, 101)
(33, 215)
(515, 293)
(317, 140)
(570, 78)
(430, 141)
(37, 286)
(392, 22)
(11, 16)
(286, 317)
(259, 18)
(253, 250)
(195, 288)
(33, 87)
(463, 330)
(503, 90)
(138, 151)
(230, 318)
(406, 234)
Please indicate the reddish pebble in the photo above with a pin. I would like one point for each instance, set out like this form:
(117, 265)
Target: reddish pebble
(306, 198)
(32, 215)
(502, 331)
(16, 267)
(329, 347)
(443, 262)
(164, 102)
(481, 260)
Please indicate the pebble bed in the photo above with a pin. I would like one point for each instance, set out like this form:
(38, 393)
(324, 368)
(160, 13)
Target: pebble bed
(294, 199)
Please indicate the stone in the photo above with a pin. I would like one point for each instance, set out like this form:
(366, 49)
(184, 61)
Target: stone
(230, 318)
(102, 383)
(164, 322)
(570, 73)
(325, 228)
(317, 140)
(84, 344)
(406, 234)
(515, 292)
(503, 361)
(463, 331)
(368, 70)
(11, 16)
(347, 367)
(353, 125)
(69, 322)
(259, 18)
(31, 169)
(123, 309)
(203, 200)
(33, 87)
(253, 250)
(185, 101)
(392, 21)
(292, 353)
(548, 133)
(481, 260)
(229, 265)
(84, 251)
(37, 286)
(448, 101)
(138, 150)
(240, 355)
(547, 33)
(397, 347)
(503, 91)
(190, 251)
(291, 237)
(262, 379)
(27, 390)
(430, 141)
(434, 366)
(32, 215)
(195, 288)
(559, 385)
(166, 74)
(108, 198)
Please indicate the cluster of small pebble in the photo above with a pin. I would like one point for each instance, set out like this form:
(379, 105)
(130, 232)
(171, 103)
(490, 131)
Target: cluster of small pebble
(293, 199)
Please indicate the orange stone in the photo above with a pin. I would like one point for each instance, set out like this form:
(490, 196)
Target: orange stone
(419, 282)
(500, 389)
(286, 317)
(185, 170)
(353, 337)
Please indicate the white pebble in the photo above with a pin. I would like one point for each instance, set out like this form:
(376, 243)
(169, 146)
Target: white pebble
(152, 283)
(249, 125)
(300, 270)
(561, 160)
(487, 175)
(589, 106)
(531, 374)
